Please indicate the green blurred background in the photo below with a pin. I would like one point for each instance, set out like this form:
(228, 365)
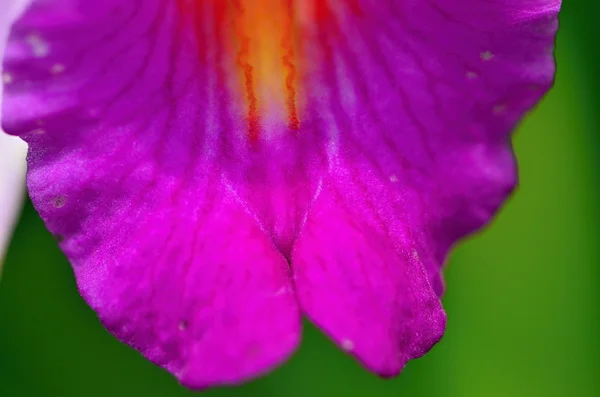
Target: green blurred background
(522, 296)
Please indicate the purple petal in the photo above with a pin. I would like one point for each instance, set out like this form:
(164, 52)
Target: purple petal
(183, 150)
(419, 99)
(163, 249)
(359, 275)
(425, 95)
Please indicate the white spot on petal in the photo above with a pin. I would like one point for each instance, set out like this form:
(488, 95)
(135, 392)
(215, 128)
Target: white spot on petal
(282, 291)
(7, 78)
(393, 178)
(57, 68)
(415, 255)
(486, 56)
(347, 345)
(471, 75)
(38, 46)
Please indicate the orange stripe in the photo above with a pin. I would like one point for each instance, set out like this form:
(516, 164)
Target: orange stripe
(263, 41)
(288, 62)
(242, 60)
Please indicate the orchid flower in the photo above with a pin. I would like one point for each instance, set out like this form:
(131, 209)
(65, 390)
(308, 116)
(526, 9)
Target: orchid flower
(12, 152)
(215, 169)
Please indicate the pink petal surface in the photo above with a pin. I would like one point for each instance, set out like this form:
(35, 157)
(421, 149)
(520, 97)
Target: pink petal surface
(191, 281)
(360, 277)
(185, 152)
(161, 246)
(422, 97)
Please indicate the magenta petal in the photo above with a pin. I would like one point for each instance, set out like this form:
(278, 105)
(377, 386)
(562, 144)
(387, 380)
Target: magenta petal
(359, 275)
(425, 95)
(181, 151)
(419, 99)
(204, 293)
(162, 248)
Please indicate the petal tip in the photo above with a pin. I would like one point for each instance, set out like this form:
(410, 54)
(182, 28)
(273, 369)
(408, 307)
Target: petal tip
(195, 375)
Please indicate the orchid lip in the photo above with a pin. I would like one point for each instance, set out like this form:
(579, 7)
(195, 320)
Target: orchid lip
(216, 169)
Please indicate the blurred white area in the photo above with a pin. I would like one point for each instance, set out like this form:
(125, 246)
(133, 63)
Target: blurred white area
(12, 149)
(12, 185)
